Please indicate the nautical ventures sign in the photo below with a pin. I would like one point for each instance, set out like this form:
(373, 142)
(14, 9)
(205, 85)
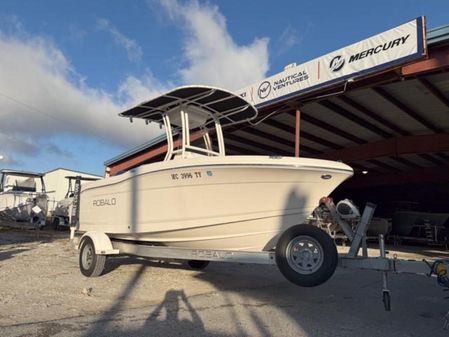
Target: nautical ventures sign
(395, 46)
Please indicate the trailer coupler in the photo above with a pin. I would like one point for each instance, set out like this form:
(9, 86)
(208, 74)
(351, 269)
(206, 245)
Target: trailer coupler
(438, 268)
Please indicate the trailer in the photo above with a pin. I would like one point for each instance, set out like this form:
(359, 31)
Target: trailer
(94, 247)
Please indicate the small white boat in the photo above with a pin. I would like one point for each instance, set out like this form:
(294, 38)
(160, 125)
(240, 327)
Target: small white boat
(63, 211)
(199, 197)
(21, 203)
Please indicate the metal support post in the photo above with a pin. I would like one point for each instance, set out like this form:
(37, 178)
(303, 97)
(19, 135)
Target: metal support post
(364, 247)
(76, 203)
(297, 132)
(385, 290)
(360, 232)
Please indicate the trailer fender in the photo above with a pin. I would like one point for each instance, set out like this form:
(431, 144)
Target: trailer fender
(102, 243)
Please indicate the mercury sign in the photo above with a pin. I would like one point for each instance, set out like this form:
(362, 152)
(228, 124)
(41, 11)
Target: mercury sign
(388, 49)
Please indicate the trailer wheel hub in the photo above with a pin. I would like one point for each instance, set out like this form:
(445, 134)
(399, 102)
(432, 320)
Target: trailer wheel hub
(304, 254)
(87, 256)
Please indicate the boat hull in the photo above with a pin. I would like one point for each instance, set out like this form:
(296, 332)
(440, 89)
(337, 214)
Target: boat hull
(18, 207)
(234, 203)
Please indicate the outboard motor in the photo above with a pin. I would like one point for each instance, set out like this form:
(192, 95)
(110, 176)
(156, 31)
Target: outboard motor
(347, 210)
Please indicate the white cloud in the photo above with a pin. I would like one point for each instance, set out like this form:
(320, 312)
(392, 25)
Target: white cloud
(133, 50)
(41, 95)
(289, 38)
(137, 90)
(212, 55)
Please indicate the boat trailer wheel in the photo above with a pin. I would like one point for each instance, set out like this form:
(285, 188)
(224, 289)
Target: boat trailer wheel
(91, 264)
(306, 255)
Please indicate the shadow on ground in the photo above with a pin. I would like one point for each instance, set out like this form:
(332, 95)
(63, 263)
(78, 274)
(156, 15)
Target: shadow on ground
(258, 300)
(14, 241)
(10, 236)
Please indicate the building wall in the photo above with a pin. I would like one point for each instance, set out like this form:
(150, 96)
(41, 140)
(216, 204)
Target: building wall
(56, 184)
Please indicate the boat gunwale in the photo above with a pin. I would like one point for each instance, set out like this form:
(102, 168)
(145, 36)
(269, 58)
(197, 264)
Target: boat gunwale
(187, 166)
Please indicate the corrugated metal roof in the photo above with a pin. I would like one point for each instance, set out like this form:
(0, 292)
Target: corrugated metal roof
(438, 35)
(334, 123)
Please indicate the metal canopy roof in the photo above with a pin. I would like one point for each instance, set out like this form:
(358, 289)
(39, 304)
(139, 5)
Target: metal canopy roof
(394, 124)
(210, 102)
(394, 127)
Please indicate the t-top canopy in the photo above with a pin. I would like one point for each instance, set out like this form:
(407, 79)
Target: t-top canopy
(81, 178)
(204, 104)
(22, 173)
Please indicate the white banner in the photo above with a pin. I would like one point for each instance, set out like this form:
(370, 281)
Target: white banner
(391, 48)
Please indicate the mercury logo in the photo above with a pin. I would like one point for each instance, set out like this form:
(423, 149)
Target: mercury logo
(264, 89)
(337, 63)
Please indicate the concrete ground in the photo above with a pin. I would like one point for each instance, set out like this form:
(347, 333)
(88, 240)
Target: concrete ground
(42, 293)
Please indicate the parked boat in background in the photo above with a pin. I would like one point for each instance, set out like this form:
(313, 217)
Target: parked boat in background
(412, 223)
(63, 211)
(23, 199)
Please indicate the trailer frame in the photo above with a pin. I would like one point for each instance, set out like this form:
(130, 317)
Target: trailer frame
(104, 245)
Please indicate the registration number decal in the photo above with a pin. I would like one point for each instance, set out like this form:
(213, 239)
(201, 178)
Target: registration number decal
(190, 175)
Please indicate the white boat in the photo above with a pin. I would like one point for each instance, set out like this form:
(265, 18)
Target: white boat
(21, 201)
(63, 211)
(199, 197)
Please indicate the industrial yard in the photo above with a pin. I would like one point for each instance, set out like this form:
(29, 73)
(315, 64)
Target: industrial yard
(44, 294)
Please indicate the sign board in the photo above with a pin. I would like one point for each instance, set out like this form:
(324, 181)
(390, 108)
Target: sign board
(391, 48)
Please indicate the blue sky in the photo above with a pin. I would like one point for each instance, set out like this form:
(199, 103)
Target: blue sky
(68, 67)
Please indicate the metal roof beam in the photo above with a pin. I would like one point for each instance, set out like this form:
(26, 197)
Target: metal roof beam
(383, 165)
(258, 145)
(279, 140)
(434, 91)
(401, 106)
(306, 135)
(443, 156)
(431, 159)
(392, 147)
(354, 118)
(436, 174)
(405, 162)
(359, 107)
(438, 59)
(331, 128)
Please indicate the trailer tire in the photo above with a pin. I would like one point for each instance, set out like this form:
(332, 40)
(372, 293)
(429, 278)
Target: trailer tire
(91, 264)
(197, 264)
(306, 255)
